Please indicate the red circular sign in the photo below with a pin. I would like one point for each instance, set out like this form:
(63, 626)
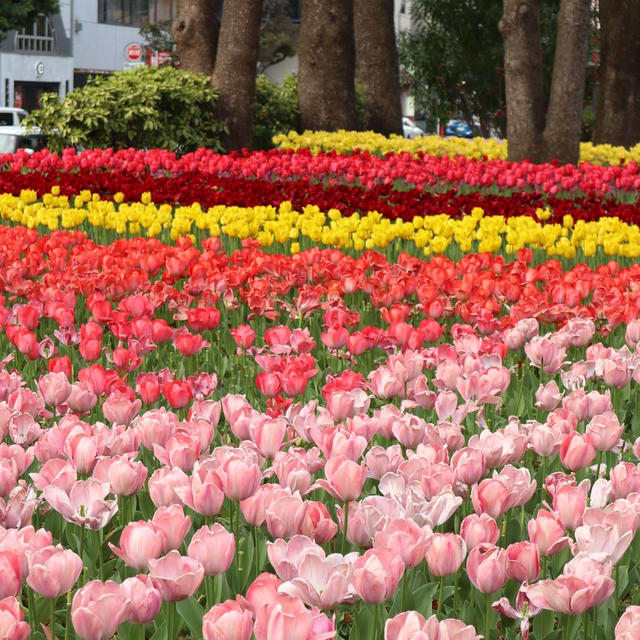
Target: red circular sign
(133, 52)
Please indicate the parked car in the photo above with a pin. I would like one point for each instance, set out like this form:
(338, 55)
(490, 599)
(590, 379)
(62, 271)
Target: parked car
(410, 129)
(11, 116)
(13, 138)
(458, 129)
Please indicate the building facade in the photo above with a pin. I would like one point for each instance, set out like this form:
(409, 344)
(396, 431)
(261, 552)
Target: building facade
(91, 37)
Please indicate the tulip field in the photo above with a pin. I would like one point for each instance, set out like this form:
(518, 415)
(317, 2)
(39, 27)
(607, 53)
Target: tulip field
(349, 388)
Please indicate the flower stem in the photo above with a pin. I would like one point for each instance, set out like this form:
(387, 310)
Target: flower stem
(171, 621)
(487, 622)
(52, 617)
(375, 620)
(346, 524)
(440, 597)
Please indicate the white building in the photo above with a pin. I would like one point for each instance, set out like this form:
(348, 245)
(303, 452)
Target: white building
(86, 37)
(90, 37)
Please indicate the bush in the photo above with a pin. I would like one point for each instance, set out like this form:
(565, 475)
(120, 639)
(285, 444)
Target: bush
(145, 107)
(275, 110)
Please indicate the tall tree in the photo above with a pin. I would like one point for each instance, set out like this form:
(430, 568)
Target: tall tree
(377, 64)
(326, 65)
(195, 33)
(235, 71)
(618, 103)
(531, 134)
(454, 56)
(18, 15)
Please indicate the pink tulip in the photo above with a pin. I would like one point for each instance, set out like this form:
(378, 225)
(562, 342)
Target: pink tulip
(181, 450)
(411, 624)
(569, 503)
(548, 396)
(57, 472)
(322, 582)
(140, 542)
(477, 529)
(577, 451)
(53, 571)
(54, 388)
(376, 574)
(164, 485)
(85, 503)
(317, 523)
(240, 477)
(11, 572)
(263, 590)
(523, 610)
(446, 553)
(97, 610)
(156, 427)
(213, 547)
(173, 523)
(487, 568)
(344, 478)
(605, 431)
(469, 465)
(227, 621)
(119, 408)
(628, 626)
(125, 476)
(524, 561)
(143, 598)
(12, 625)
(582, 584)
(407, 537)
(546, 355)
(204, 493)
(284, 515)
(176, 577)
(547, 533)
(287, 618)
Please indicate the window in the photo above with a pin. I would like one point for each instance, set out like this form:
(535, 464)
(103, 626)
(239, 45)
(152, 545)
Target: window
(133, 13)
(38, 37)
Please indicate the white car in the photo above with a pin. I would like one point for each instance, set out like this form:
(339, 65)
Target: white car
(410, 129)
(11, 116)
(14, 138)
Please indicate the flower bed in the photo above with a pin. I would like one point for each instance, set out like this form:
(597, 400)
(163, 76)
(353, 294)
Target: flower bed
(214, 432)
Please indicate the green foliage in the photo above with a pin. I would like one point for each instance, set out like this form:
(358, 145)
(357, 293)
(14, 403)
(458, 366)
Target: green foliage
(453, 57)
(17, 15)
(157, 37)
(145, 107)
(278, 34)
(275, 110)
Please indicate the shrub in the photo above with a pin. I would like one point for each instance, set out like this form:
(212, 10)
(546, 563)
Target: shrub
(145, 107)
(275, 110)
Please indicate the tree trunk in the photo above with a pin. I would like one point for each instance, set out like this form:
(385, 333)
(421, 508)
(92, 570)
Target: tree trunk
(377, 67)
(195, 32)
(562, 131)
(235, 71)
(528, 135)
(520, 29)
(326, 64)
(618, 103)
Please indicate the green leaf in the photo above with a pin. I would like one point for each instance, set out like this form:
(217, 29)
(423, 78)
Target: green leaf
(192, 613)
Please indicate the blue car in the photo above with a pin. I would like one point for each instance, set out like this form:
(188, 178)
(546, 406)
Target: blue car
(458, 129)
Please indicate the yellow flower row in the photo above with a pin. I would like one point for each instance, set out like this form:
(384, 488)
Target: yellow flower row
(282, 225)
(345, 141)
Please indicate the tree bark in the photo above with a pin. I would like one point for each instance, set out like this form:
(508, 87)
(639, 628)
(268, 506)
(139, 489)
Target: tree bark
(377, 67)
(618, 102)
(563, 128)
(529, 134)
(235, 72)
(195, 32)
(520, 29)
(326, 65)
